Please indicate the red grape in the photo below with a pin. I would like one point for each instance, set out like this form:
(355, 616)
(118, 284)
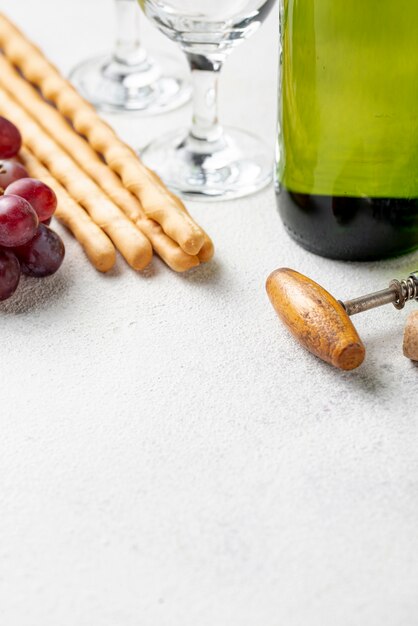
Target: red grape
(41, 197)
(9, 274)
(43, 255)
(18, 221)
(9, 172)
(10, 139)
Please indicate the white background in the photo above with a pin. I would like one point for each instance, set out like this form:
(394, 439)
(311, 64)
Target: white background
(168, 455)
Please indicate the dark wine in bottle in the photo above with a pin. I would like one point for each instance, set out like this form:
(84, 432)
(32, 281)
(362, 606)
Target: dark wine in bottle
(347, 173)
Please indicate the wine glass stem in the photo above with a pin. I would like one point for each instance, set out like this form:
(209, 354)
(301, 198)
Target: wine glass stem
(205, 74)
(128, 49)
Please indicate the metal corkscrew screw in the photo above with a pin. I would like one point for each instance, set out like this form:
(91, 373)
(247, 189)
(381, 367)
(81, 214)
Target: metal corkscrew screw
(321, 323)
(398, 293)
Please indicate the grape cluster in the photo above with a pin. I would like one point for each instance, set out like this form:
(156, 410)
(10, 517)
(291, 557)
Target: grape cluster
(27, 244)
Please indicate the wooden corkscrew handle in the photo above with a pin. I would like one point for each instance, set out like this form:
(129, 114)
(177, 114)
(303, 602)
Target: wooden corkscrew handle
(316, 319)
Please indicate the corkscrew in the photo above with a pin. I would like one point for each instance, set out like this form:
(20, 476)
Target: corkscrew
(321, 323)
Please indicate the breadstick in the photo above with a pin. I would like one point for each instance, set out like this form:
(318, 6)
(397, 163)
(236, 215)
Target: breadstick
(128, 239)
(54, 124)
(97, 246)
(157, 202)
(207, 250)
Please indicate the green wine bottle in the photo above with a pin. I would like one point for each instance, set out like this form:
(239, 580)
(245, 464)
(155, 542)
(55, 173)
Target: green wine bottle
(347, 168)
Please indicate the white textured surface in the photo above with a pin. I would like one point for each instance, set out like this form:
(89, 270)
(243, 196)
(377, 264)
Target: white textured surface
(168, 456)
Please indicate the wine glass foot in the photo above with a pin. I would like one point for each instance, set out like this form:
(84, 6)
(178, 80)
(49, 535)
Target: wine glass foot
(118, 88)
(236, 164)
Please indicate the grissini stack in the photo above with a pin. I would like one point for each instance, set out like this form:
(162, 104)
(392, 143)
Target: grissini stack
(96, 244)
(56, 126)
(157, 202)
(128, 239)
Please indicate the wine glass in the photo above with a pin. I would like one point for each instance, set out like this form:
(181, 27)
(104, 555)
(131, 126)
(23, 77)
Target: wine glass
(128, 79)
(208, 161)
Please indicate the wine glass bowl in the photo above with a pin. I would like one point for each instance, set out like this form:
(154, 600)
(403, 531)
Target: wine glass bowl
(209, 161)
(206, 23)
